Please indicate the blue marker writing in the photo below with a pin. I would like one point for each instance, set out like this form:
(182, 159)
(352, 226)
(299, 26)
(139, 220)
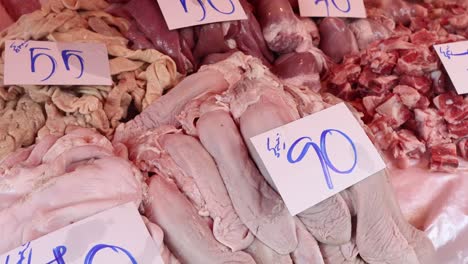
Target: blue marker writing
(448, 53)
(21, 254)
(322, 154)
(34, 58)
(59, 253)
(17, 48)
(90, 256)
(203, 8)
(276, 149)
(66, 54)
(327, 5)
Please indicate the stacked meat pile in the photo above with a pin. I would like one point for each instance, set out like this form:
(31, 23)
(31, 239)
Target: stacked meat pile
(402, 88)
(59, 181)
(206, 200)
(202, 171)
(140, 77)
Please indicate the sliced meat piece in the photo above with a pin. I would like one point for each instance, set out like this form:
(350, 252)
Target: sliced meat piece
(332, 31)
(187, 235)
(257, 204)
(195, 161)
(444, 158)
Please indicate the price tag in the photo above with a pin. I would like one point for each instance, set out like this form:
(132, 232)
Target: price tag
(454, 56)
(55, 63)
(316, 157)
(187, 13)
(116, 236)
(332, 8)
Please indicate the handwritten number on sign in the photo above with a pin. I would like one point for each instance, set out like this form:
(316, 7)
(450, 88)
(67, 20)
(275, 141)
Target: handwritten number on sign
(339, 7)
(66, 54)
(89, 258)
(210, 2)
(322, 154)
(59, 253)
(34, 57)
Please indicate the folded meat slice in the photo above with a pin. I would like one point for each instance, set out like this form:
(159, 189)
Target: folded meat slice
(61, 182)
(194, 160)
(187, 235)
(257, 204)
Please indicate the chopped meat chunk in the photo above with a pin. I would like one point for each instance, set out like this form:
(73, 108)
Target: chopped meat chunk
(431, 126)
(393, 109)
(406, 146)
(444, 158)
(463, 148)
(411, 97)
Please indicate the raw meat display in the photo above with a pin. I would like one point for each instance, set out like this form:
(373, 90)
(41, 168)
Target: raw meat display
(140, 77)
(405, 94)
(259, 95)
(61, 180)
(172, 133)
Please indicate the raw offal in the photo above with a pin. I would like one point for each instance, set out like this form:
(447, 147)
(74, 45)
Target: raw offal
(59, 181)
(140, 77)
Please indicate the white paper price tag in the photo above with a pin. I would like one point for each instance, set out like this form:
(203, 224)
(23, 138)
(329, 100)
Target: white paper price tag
(116, 236)
(332, 8)
(187, 13)
(56, 63)
(317, 156)
(454, 56)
